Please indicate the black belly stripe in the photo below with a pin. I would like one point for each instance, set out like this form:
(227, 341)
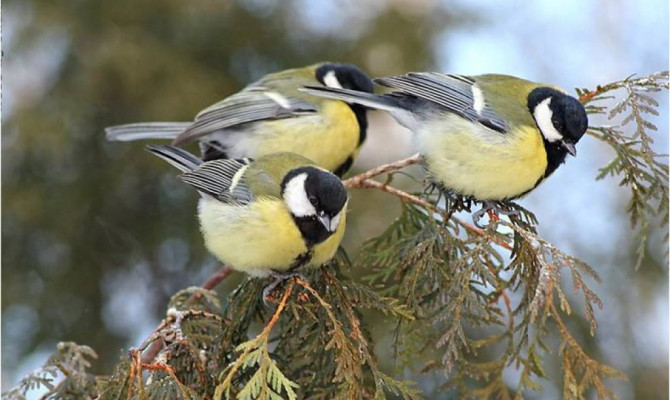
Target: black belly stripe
(344, 167)
(301, 260)
(362, 119)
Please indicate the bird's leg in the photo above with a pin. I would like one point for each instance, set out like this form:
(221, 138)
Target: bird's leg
(493, 209)
(279, 277)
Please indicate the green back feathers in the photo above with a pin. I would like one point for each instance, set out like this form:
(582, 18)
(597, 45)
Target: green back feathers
(497, 89)
(265, 175)
(288, 82)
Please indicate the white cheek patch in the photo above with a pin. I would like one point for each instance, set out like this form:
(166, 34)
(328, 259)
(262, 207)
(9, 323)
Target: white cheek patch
(331, 80)
(542, 115)
(477, 99)
(295, 197)
(279, 99)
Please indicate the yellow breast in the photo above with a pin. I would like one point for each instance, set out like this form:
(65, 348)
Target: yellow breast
(253, 238)
(327, 138)
(475, 161)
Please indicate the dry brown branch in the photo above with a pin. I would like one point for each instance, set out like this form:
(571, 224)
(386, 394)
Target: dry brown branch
(356, 180)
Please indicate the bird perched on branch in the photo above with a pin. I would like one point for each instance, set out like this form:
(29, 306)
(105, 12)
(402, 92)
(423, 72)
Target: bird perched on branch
(492, 138)
(271, 115)
(268, 216)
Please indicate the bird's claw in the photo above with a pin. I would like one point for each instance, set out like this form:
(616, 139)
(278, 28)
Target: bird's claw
(493, 209)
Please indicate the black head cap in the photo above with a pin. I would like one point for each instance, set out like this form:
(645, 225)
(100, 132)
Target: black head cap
(316, 199)
(346, 76)
(325, 191)
(562, 121)
(567, 114)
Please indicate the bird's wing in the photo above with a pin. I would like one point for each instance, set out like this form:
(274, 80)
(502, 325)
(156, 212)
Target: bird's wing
(222, 179)
(255, 103)
(458, 94)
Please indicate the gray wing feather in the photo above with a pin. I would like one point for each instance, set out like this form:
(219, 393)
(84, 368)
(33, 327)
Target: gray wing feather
(247, 106)
(218, 179)
(145, 130)
(178, 158)
(453, 92)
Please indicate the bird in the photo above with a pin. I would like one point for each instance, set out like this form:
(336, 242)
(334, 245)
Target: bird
(492, 138)
(271, 115)
(266, 217)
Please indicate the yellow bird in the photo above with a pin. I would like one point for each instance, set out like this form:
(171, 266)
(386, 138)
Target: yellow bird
(488, 137)
(267, 216)
(271, 115)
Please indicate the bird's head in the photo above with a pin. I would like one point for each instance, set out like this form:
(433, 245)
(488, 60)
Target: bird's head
(561, 118)
(316, 198)
(343, 76)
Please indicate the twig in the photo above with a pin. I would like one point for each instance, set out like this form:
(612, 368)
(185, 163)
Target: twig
(643, 81)
(357, 180)
(157, 342)
(404, 196)
(369, 183)
(213, 281)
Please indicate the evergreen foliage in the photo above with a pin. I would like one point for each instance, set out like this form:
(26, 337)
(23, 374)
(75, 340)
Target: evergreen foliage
(470, 303)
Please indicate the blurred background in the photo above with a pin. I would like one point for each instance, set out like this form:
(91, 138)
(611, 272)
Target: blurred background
(97, 236)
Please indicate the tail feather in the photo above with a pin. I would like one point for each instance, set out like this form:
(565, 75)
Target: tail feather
(179, 158)
(398, 106)
(145, 130)
(353, 96)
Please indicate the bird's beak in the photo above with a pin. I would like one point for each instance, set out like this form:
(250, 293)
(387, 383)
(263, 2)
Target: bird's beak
(327, 223)
(570, 147)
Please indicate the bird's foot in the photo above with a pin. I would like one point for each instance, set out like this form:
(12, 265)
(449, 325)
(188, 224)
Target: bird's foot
(493, 209)
(453, 202)
(278, 279)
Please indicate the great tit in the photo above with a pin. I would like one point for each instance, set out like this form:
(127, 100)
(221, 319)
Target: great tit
(266, 216)
(489, 137)
(271, 115)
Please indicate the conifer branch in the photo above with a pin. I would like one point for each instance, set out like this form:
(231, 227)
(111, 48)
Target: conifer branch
(170, 371)
(259, 340)
(585, 96)
(157, 342)
(410, 198)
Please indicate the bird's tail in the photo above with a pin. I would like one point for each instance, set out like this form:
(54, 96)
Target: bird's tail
(179, 158)
(394, 105)
(145, 130)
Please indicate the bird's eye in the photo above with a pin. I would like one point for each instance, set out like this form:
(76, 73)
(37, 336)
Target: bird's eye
(558, 124)
(312, 200)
